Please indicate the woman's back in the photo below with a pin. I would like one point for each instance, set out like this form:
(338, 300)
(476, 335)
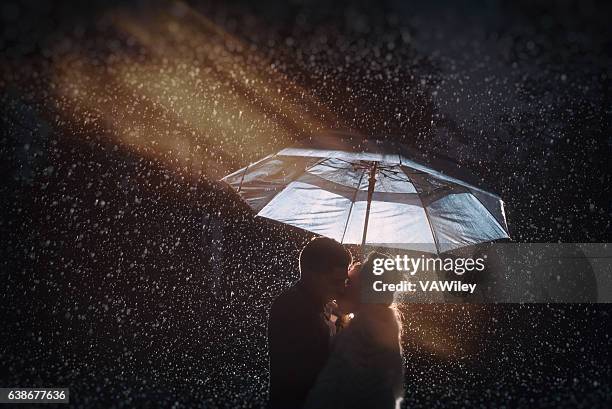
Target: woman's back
(365, 368)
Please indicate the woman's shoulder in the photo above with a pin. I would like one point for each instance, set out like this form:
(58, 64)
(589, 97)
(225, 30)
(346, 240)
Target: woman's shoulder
(379, 316)
(379, 324)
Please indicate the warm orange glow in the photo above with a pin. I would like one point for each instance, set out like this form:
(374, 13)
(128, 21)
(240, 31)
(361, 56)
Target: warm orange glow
(185, 91)
(450, 331)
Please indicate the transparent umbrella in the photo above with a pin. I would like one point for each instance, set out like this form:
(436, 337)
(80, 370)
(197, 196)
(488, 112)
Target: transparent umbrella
(370, 193)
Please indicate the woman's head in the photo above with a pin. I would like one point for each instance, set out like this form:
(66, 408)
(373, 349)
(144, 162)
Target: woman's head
(368, 278)
(349, 300)
(361, 278)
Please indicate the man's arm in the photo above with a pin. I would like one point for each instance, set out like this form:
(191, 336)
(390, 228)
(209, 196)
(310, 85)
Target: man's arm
(298, 350)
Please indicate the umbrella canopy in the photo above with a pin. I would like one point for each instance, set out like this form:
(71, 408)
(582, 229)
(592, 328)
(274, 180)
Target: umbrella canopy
(372, 193)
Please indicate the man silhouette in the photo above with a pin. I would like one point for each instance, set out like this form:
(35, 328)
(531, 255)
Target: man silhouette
(299, 331)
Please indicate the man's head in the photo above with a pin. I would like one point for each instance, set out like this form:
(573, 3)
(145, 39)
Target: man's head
(323, 265)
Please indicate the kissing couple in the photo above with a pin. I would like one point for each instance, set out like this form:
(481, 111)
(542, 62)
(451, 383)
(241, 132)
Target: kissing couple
(328, 348)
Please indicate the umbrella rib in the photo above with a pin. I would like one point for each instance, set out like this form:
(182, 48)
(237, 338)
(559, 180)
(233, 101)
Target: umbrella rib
(312, 166)
(433, 233)
(491, 214)
(348, 218)
(246, 169)
(306, 169)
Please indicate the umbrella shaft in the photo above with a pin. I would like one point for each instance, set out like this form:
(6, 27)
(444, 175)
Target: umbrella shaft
(371, 184)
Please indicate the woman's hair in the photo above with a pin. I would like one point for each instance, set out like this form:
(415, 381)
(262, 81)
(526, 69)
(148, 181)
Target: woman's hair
(368, 277)
(389, 277)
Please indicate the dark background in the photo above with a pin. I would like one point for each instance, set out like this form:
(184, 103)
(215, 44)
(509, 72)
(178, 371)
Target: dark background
(133, 278)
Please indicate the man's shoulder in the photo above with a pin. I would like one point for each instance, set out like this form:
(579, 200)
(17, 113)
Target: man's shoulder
(288, 299)
(285, 313)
